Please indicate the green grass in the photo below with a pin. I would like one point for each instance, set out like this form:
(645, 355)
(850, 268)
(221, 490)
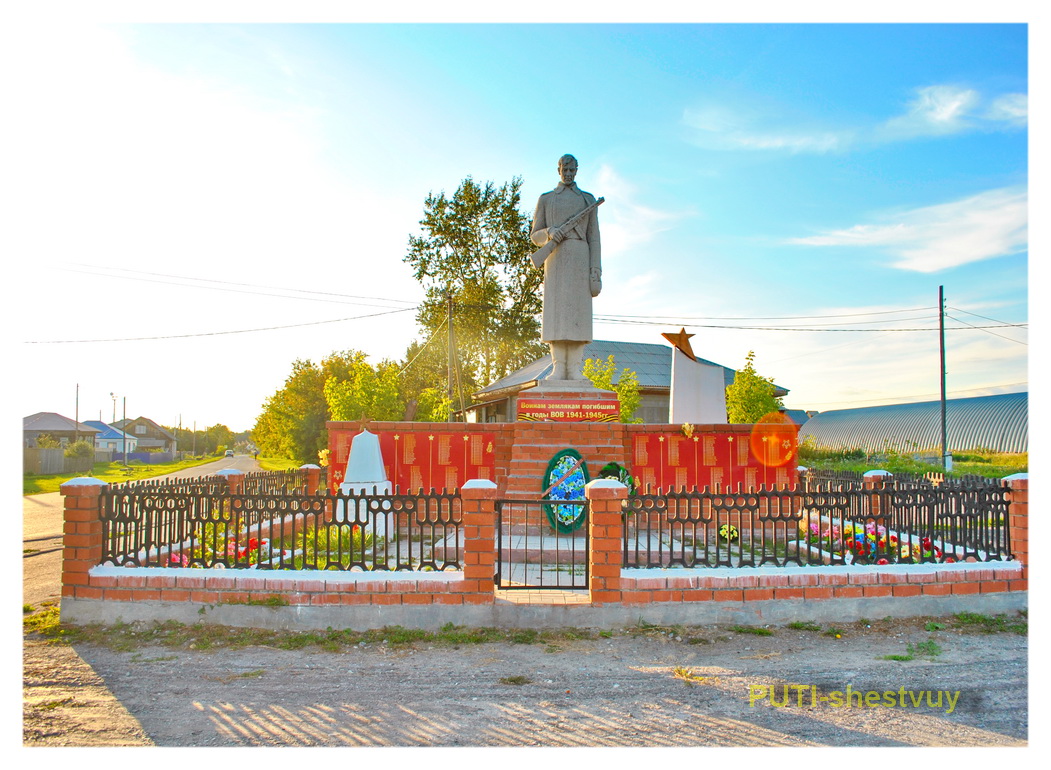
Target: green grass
(110, 473)
(973, 621)
(517, 680)
(929, 649)
(800, 625)
(279, 464)
(975, 461)
(754, 630)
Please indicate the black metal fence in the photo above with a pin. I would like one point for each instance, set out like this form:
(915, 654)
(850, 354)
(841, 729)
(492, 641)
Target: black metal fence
(817, 525)
(813, 478)
(531, 552)
(205, 525)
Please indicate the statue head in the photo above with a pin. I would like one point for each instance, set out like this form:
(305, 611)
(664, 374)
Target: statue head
(567, 168)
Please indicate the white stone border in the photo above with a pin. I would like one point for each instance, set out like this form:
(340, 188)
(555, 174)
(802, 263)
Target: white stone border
(835, 569)
(329, 576)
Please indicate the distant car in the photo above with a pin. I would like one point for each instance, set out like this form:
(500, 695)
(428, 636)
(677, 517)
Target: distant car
(229, 453)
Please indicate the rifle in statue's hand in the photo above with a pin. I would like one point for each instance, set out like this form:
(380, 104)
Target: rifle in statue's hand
(544, 251)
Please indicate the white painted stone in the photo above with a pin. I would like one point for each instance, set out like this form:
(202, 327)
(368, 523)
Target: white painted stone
(871, 474)
(698, 391)
(365, 475)
(84, 481)
(604, 484)
(479, 484)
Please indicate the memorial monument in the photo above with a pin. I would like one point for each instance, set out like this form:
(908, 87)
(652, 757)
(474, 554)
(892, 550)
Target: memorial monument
(565, 227)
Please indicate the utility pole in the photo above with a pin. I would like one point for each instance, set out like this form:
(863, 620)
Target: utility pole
(76, 416)
(946, 459)
(124, 430)
(449, 320)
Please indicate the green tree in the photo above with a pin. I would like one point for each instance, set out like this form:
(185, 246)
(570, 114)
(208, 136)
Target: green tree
(424, 381)
(475, 246)
(215, 437)
(751, 395)
(366, 392)
(601, 374)
(292, 421)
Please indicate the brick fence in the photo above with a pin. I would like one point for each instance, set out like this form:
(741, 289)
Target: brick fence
(321, 599)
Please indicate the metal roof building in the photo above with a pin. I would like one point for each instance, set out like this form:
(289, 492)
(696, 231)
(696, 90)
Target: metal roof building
(999, 423)
(651, 362)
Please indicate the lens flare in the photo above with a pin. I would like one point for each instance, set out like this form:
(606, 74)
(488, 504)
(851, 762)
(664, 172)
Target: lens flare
(774, 440)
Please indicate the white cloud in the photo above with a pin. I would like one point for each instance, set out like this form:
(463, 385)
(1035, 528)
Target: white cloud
(984, 226)
(720, 128)
(627, 224)
(935, 110)
(1010, 108)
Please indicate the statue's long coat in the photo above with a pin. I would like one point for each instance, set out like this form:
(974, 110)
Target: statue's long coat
(567, 271)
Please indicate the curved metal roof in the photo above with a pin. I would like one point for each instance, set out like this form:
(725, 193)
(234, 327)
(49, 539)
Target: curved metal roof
(999, 423)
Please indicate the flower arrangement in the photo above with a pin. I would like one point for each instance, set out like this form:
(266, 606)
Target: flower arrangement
(728, 533)
(869, 542)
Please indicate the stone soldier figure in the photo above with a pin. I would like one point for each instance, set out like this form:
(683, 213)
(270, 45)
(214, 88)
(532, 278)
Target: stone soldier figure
(572, 269)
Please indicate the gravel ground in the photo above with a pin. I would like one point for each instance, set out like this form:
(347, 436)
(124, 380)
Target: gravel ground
(647, 688)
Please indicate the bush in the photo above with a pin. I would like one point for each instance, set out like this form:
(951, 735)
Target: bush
(80, 449)
(47, 441)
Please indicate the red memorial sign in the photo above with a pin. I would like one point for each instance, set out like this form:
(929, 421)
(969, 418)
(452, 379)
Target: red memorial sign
(568, 410)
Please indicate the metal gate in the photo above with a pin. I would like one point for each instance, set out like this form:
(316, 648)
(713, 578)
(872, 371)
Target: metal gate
(530, 553)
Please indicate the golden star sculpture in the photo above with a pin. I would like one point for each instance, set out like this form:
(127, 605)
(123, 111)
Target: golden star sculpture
(681, 341)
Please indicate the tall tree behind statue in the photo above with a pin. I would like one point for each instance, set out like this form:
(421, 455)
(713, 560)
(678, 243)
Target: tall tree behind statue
(476, 245)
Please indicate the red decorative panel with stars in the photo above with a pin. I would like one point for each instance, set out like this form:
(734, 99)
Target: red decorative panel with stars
(422, 459)
(671, 460)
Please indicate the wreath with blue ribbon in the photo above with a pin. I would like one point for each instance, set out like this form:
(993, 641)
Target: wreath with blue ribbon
(565, 479)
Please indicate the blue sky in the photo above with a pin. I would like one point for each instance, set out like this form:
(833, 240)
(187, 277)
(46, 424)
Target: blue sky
(181, 182)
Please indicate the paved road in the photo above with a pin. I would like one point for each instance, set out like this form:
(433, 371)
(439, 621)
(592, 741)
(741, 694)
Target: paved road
(42, 532)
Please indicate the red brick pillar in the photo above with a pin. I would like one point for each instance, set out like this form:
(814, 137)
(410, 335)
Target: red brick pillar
(1018, 517)
(313, 473)
(877, 480)
(478, 498)
(606, 533)
(235, 479)
(82, 533)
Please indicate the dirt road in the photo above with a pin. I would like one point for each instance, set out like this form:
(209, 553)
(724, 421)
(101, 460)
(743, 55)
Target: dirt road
(652, 687)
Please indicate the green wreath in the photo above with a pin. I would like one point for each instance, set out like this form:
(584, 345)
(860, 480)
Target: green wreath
(565, 479)
(618, 472)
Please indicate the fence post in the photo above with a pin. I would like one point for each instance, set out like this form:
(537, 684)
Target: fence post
(234, 479)
(478, 498)
(1018, 517)
(82, 532)
(313, 474)
(606, 535)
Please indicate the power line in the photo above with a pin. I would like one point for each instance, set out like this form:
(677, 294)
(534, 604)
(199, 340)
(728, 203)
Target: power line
(986, 330)
(772, 317)
(246, 290)
(428, 342)
(987, 318)
(609, 320)
(216, 334)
